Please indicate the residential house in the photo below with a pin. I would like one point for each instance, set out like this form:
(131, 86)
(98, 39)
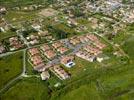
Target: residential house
(45, 47)
(57, 44)
(38, 63)
(92, 50)
(3, 10)
(43, 33)
(33, 51)
(92, 37)
(15, 43)
(60, 72)
(74, 41)
(50, 54)
(85, 55)
(67, 61)
(84, 39)
(62, 50)
(99, 45)
(45, 75)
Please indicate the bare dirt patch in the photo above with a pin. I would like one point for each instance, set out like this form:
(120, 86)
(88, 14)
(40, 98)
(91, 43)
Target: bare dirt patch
(48, 12)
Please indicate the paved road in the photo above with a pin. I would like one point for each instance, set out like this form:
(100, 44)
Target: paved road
(9, 53)
(24, 63)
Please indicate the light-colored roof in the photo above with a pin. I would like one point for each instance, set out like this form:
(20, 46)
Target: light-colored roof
(45, 75)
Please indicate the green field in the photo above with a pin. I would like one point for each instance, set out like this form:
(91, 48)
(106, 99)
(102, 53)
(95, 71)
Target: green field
(28, 89)
(18, 16)
(118, 85)
(84, 92)
(10, 67)
(13, 3)
(128, 47)
(7, 34)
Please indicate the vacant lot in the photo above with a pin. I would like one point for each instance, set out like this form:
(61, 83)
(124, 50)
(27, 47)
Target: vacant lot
(48, 12)
(10, 66)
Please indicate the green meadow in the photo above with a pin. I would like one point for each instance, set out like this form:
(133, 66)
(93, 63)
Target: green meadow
(10, 67)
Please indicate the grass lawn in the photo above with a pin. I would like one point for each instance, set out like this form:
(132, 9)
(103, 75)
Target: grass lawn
(28, 89)
(10, 66)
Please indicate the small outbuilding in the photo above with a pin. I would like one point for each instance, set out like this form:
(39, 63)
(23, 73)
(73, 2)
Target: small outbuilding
(45, 75)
